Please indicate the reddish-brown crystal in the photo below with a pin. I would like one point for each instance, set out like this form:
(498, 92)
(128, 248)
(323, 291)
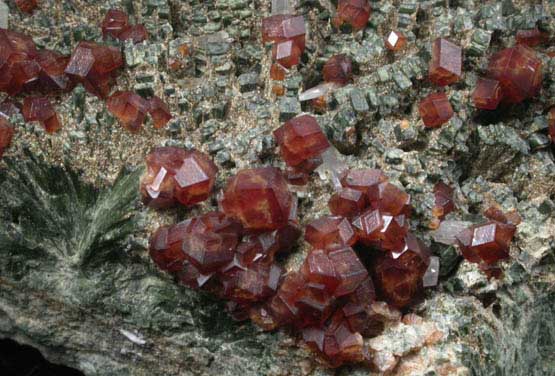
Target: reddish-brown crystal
(177, 175)
(395, 41)
(338, 69)
(444, 203)
(165, 246)
(435, 110)
(300, 139)
(26, 6)
(277, 72)
(531, 38)
(488, 242)
(281, 28)
(286, 53)
(330, 232)
(352, 12)
(487, 94)
(446, 63)
(129, 108)
(6, 135)
(52, 75)
(259, 198)
(114, 23)
(136, 33)
(347, 202)
(363, 180)
(94, 65)
(40, 109)
(389, 199)
(159, 111)
(519, 71)
(349, 270)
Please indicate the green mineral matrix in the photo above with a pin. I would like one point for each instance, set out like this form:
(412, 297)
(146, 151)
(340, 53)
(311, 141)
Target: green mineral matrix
(256, 187)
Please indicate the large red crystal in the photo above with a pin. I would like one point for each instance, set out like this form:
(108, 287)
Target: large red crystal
(300, 139)
(6, 135)
(129, 108)
(40, 109)
(435, 110)
(352, 12)
(259, 198)
(519, 71)
(94, 66)
(177, 175)
(446, 63)
(338, 69)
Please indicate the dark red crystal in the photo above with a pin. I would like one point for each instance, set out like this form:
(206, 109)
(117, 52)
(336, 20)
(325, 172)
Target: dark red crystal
(347, 202)
(531, 38)
(446, 63)
(488, 94)
(6, 135)
(444, 202)
(114, 23)
(338, 69)
(435, 110)
(352, 12)
(330, 232)
(26, 6)
(40, 109)
(129, 108)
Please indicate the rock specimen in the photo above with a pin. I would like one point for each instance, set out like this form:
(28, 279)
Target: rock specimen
(435, 110)
(354, 13)
(446, 63)
(177, 175)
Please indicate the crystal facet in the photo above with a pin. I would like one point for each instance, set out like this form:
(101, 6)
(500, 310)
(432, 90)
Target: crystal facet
(338, 69)
(129, 108)
(40, 109)
(435, 110)
(395, 41)
(446, 63)
(352, 12)
(487, 94)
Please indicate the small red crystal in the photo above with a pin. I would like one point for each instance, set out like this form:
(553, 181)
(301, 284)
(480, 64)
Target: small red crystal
(165, 246)
(338, 69)
(446, 63)
(444, 203)
(177, 175)
(488, 242)
(129, 108)
(487, 94)
(435, 110)
(136, 33)
(159, 111)
(286, 53)
(300, 139)
(363, 180)
(6, 135)
(330, 232)
(114, 23)
(519, 71)
(52, 73)
(281, 28)
(347, 202)
(389, 199)
(26, 6)
(352, 12)
(395, 41)
(277, 72)
(40, 109)
(531, 38)
(259, 198)
(349, 270)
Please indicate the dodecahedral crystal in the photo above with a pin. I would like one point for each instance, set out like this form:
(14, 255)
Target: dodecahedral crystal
(259, 198)
(519, 71)
(347, 202)
(488, 242)
(300, 139)
(389, 199)
(277, 72)
(286, 53)
(444, 203)
(6, 135)
(177, 175)
(329, 232)
(487, 94)
(435, 110)
(282, 28)
(52, 75)
(446, 63)
(352, 12)
(40, 109)
(349, 270)
(395, 41)
(94, 66)
(338, 69)
(363, 180)
(114, 23)
(129, 108)
(159, 111)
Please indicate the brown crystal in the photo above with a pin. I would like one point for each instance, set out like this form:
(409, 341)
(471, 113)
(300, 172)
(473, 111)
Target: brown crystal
(114, 23)
(395, 41)
(330, 232)
(40, 109)
(446, 63)
(435, 110)
(352, 12)
(159, 111)
(488, 94)
(129, 108)
(338, 69)
(6, 135)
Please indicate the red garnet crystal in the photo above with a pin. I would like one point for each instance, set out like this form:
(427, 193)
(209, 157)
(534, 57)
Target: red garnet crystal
(399, 280)
(446, 63)
(395, 41)
(300, 139)
(363, 180)
(487, 94)
(52, 75)
(40, 109)
(287, 53)
(258, 198)
(129, 108)
(177, 175)
(435, 110)
(487, 243)
(338, 69)
(279, 28)
(531, 38)
(519, 71)
(6, 135)
(352, 12)
(115, 22)
(18, 68)
(137, 33)
(347, 202)
(94, 66)
(277, 72)
(329, 232)
(26, 6)
(444, 203)
(165, 246)
(159, 111)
